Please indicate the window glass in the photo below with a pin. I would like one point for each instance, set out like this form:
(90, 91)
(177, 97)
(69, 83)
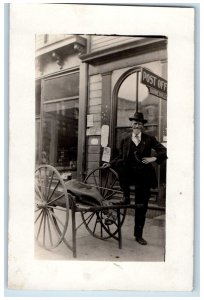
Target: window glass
(37, 97)
(61, 87)
(130, 90)
(60, 134)
(153, 108)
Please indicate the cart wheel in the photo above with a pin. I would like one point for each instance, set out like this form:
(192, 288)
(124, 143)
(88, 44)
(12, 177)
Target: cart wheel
(51, 207)
(104, 224)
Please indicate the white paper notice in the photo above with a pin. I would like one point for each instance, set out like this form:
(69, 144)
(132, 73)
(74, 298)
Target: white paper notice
(104, 135)
(106, 154)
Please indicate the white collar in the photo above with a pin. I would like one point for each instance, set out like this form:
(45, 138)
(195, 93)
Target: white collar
(138, 135)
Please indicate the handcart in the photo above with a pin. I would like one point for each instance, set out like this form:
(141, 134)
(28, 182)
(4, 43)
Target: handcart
(98, 199)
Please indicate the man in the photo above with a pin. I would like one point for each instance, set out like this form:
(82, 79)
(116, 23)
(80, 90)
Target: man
(134, 167)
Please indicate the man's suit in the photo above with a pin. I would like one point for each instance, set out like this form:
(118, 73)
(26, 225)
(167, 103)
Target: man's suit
(132, 171)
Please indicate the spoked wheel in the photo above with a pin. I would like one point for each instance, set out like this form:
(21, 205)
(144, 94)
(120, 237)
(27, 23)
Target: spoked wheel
(104, 224)
(51, 207)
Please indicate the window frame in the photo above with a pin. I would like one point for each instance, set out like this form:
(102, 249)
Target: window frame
(43, 102)
(113, 123)
(117, 86)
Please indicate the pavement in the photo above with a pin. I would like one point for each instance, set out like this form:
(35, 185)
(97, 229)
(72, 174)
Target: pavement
(91, 248)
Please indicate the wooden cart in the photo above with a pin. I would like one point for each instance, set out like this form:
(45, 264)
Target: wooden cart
(98, 199)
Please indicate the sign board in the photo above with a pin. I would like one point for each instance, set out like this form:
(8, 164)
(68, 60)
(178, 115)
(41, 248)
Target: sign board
(106, 154)
(104, 135)
(93, 131)
(157, 85)
(157, 93)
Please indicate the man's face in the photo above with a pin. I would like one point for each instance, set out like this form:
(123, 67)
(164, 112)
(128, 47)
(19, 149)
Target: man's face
(137, 127)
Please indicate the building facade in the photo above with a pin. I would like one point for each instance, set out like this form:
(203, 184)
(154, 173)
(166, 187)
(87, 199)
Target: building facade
(86, 89)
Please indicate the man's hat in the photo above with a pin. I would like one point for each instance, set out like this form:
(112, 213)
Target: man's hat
(138, 117)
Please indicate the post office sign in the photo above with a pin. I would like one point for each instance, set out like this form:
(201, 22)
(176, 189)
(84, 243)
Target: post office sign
(154, 83)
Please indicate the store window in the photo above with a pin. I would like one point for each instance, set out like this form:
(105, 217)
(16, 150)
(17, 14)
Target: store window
(59, 124)
(132, 95)
(60, 134)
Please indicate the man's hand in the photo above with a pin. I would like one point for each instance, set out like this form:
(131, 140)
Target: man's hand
(106, 165)
(147, 160)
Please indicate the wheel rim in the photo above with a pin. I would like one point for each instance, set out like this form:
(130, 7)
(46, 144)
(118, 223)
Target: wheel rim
(51, 207)
(106, 181)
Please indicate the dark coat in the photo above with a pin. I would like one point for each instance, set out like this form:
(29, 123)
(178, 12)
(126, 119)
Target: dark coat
(147, 144)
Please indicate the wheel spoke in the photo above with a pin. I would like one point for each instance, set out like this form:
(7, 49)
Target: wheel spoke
(57, 218)
(105, 185)
(37, 210)
(59, 197)
(90, 217)
(50, 183)
(45, 217)
(40, 175)
(57, 208)
(39, 215)
(95, 226)
(37, 180)
(53, 224)
(37, 198)
(106, 196)
(54, 190)
(109, 189)
(40, 225)
(49, 230)
(38, 192)
(50, 187)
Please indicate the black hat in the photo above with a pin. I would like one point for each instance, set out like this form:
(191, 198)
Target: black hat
(138, 117)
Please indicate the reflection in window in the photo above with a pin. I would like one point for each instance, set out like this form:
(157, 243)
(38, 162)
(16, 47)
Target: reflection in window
(153, 109)
(130, 90)
(60, 134)
(59, 121)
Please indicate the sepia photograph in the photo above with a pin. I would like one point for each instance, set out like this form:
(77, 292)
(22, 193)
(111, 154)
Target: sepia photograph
(101, 174)
(101, 139)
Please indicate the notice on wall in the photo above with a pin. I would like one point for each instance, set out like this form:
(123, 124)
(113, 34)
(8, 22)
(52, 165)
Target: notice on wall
(104, 135)
(94, 141)
(106, 154)
(93, 131)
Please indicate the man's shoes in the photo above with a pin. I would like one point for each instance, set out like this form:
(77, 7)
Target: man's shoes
(141, 241)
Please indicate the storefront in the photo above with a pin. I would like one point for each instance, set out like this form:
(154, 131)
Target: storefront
(58, 70)
(86, 89)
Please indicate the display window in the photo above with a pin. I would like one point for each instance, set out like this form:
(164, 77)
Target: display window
(131, 95)
(58, 128)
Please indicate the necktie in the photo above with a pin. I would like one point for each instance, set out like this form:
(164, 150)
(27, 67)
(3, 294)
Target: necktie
(137, 140)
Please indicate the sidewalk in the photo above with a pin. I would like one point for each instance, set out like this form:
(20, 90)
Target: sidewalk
(91, 248)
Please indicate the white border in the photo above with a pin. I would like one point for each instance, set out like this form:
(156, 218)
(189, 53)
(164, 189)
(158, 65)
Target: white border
(176, 274)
